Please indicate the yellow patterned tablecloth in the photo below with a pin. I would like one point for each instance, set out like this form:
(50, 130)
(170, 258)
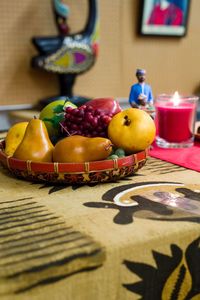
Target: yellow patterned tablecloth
(133, 239)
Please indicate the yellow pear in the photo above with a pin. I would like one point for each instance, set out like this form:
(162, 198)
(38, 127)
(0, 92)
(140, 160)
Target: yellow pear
(132, 129)
(79, 149)
(35, 145)
(14, 137)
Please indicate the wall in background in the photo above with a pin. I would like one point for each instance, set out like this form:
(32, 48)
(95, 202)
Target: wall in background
(171, 63)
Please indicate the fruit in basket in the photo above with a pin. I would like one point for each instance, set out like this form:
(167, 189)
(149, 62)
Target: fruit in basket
(112, 156)
(53, 113)
(14, 137)
(120, 152)
(35, 145)
(117, 153)
(105, 105)
(79, 149)
(132, 130)
(85, 120)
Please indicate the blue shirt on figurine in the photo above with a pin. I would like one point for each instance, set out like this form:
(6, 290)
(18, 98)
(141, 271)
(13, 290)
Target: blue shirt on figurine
(141, 93)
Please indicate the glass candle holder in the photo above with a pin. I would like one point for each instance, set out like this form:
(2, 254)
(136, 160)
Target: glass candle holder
(175, 120)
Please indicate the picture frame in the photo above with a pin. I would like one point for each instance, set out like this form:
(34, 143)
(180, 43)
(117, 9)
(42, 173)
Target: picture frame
(164, 17)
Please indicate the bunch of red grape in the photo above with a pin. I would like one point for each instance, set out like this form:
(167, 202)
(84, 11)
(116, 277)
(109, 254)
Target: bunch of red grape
(85, 121)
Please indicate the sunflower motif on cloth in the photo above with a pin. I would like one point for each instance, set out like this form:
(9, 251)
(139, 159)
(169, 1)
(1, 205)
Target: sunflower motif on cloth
(174, 277)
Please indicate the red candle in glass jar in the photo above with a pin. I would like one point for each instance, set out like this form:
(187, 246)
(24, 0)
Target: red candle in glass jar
(175, 118)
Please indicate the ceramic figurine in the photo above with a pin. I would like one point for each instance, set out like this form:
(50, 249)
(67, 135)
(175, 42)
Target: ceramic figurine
(68, 55)
(141, 93)
(61, 12)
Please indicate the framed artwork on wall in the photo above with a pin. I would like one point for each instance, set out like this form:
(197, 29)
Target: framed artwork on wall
(164, 17)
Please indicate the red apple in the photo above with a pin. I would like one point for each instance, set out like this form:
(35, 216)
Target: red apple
(105, 105)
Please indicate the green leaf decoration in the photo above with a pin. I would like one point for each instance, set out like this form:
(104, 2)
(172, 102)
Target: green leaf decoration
(48, 120)
(58, 109)
(58, 118)
(55, 120)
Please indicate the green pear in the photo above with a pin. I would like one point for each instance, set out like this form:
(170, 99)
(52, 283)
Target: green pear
(35, 145)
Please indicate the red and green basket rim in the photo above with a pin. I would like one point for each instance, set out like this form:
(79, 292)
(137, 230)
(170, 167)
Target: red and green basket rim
(86, 167)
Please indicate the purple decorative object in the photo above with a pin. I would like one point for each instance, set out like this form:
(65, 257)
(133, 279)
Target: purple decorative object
(68, 55)
(79, 57)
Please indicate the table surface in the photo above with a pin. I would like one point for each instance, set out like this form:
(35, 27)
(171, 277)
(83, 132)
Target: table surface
(79, 242)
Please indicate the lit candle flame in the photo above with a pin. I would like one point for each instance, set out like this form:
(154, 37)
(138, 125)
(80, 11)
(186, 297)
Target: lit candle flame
(176, 99)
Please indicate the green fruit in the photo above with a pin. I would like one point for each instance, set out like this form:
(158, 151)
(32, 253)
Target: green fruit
(113, 156)
(120, 152)
(50, 112)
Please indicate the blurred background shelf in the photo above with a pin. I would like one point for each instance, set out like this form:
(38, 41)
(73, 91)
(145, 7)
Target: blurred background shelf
(11, 114)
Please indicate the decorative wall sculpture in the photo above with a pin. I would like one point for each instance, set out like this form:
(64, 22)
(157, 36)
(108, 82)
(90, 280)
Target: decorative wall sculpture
(68, 55)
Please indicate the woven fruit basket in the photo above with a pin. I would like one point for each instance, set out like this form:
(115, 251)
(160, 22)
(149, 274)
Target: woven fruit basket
(71, 173)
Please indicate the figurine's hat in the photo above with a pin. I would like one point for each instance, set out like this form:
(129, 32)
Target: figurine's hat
(140, 72)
